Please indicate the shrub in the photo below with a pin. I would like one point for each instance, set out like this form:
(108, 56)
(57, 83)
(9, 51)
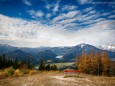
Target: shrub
(25, 71)
(9, 71)
(31, 72)
(17, 72)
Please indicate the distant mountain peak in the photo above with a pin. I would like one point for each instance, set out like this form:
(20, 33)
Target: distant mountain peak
(109, 47)
(82, 45)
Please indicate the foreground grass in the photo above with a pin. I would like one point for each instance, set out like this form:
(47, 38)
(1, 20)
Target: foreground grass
(56, 78)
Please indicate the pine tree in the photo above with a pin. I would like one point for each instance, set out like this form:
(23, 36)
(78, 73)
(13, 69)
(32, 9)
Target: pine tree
(48, 67)
(42, 66)
(54, 67)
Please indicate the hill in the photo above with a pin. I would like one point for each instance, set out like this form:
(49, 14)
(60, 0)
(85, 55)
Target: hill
(21, 56)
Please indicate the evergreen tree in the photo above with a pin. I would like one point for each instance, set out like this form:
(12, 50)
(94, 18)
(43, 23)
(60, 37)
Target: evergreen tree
(48, 67)
(42, 66)
(54, 67)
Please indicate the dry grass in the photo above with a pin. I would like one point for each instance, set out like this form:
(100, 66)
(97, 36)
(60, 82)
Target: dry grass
(56, 79)
(31, 72)
(18, 72)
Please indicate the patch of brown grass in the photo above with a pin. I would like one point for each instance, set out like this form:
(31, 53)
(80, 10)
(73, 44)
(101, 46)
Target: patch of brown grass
(18, 72)
(31, 72)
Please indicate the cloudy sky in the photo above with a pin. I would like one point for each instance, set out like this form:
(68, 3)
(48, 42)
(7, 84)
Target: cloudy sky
(34, 23)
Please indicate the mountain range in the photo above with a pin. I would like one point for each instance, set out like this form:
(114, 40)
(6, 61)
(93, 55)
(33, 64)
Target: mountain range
(34, 55)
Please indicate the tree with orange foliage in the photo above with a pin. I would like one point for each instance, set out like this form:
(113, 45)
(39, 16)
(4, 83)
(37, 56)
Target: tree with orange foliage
(98, 63)
(81, 63)
(105, 63)
(94, 63)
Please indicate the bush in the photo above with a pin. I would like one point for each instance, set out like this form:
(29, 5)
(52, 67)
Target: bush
(9, 71)
(25, 71)
(17, 72)
(31, 72)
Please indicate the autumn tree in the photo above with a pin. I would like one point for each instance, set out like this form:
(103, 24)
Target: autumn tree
(98, 64)
(105, 63)
(95, 63)
(81, 63)
(77, 62)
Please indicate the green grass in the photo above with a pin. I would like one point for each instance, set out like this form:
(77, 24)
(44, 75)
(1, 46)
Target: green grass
(60, 65)
(75, 76)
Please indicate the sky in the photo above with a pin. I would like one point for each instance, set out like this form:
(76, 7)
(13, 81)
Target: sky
(52, 23)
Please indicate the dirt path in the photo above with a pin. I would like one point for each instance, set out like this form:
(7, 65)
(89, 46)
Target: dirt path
(55, 79)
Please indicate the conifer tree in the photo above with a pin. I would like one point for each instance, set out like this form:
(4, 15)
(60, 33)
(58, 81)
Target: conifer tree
(42, 66)
(98, 63)
(54, 67)
(105, 63)
(82, 61)
(48, 67)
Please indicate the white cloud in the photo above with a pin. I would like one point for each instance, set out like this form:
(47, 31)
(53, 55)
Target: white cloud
(87, 17)
(39, 13)
(35, 14)
(31, 12)
(82, 2)
(66, 21)
(56, 7)
(88, 9)
(92, 12)
(24, 33)
(48, 15)
(48, 6)
(112, 16)
(27, 2)
(105, 14)
(70, 14)
(68, 7)
(92, 21)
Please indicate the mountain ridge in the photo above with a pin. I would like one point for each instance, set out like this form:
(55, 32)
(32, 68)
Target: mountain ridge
(50, 53)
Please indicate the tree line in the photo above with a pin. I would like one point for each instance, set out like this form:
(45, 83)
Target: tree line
(43, 66)
(16, 64)
(95, 63)
(5, 63)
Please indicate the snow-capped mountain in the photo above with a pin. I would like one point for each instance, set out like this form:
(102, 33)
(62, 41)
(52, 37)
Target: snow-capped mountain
(109, 47)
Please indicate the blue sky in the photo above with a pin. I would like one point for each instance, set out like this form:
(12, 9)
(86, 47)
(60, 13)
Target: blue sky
(34, 23)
